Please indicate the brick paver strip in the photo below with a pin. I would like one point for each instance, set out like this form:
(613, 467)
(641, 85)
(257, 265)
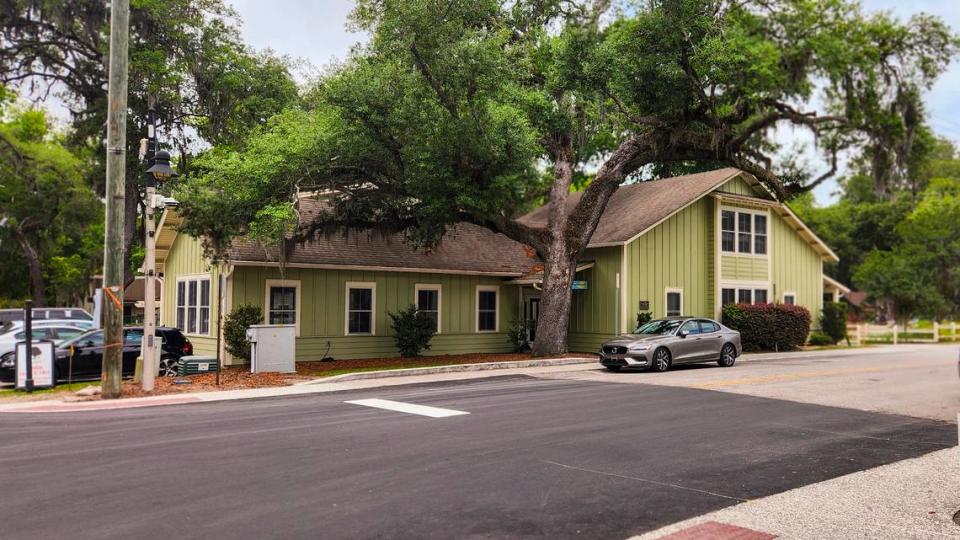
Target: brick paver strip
(105, 405)
(713, 530)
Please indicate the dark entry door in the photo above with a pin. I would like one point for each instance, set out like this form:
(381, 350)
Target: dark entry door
(532, 314)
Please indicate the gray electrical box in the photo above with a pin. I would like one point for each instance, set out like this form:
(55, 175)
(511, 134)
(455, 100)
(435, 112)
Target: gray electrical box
(273, 348)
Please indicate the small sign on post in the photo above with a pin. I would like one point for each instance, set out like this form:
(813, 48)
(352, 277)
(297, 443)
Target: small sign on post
(644, 305)
(41, 364)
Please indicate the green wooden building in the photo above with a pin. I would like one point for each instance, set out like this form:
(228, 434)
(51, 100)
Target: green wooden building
(678, 246)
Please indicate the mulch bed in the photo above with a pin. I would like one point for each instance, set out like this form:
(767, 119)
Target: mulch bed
(231, 378)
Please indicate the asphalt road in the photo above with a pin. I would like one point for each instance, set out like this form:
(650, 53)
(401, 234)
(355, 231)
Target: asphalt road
(533, 458)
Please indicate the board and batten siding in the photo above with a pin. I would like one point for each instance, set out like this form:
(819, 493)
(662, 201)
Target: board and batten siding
(594, 311)
(796, 267)
(186, 258)
(676, 254)
(323, 305)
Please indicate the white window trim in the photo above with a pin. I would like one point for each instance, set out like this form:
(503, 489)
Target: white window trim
(476, 309)
(666, 305)
(737, 286)
(736, 232)
(789, 293)
(282, 283)
(417, 287)
(373, 307)
(186, 295)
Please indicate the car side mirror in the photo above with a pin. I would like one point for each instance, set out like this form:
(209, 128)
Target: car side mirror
(88, 343)
(682, 333)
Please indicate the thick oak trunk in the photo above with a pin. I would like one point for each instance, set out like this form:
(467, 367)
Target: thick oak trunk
(555, 300)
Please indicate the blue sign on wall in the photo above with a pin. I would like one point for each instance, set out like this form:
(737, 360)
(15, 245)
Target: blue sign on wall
(579, 285)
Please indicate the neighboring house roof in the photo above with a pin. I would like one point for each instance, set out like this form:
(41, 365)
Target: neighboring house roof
(856, 298)
(637, 208)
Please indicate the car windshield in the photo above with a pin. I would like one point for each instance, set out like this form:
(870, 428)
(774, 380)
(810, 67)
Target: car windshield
(660, 327)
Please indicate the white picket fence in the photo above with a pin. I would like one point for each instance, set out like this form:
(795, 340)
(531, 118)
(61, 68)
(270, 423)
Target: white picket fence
(896, 334)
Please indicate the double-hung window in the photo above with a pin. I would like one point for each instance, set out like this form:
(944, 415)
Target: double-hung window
(743, 232)
(428, 302)
(789, 298)
(361, 299)
(487, 319)
(283, 302)
(193, 305)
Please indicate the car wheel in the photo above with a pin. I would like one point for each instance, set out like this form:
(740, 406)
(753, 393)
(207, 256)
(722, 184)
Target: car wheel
(728, 355)
(661, 360)
(168, 367)
(613, 368)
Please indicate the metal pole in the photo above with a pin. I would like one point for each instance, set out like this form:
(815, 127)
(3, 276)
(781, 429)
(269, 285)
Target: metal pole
(28, 335)
(148, 347)
(113, 249)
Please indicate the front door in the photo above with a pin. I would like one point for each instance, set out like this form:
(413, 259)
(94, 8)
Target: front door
(531, 313)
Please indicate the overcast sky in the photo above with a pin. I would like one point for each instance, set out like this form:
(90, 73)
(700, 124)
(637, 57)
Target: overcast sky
(315, 31)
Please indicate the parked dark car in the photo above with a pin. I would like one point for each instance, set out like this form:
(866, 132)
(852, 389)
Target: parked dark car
(65, 313)
(87, 354)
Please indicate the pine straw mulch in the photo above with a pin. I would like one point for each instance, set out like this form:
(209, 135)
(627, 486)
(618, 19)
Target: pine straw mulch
(231, 378)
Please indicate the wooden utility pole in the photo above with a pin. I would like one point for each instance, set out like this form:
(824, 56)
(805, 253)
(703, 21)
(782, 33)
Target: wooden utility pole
(113, 252)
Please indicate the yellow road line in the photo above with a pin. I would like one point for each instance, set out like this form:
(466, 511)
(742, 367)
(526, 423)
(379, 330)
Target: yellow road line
(806, 375)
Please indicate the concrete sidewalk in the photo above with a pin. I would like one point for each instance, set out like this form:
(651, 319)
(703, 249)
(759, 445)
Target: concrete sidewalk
(914, 498)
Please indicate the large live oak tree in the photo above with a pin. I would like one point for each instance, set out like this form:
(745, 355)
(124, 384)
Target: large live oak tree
(186, 60)
(468, 110)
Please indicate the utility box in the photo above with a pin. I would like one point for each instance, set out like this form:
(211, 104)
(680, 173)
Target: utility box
(272, 348)
(196, 365)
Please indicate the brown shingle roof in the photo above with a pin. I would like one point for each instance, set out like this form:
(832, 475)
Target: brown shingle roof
(466, 248)
(635, 208)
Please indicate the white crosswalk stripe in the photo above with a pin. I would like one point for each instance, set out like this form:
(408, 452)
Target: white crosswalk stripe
(411, 408)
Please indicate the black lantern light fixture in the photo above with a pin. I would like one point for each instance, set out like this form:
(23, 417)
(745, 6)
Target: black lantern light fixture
(161, 169)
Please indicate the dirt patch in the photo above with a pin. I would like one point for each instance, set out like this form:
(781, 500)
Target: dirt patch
(321, 369)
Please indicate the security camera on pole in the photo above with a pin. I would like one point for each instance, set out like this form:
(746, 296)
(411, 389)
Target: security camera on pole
(158, 170)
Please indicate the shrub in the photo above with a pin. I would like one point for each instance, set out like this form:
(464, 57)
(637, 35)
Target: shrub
(517, 335)
(235, 329)
(768, 327)
(413, 331)
(819, 338)
(643, 318)
(833, 321)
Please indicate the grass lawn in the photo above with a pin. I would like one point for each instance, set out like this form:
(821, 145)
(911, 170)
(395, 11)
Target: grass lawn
(10, 392)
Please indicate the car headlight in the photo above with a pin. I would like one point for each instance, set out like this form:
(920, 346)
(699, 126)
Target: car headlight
(639, 348)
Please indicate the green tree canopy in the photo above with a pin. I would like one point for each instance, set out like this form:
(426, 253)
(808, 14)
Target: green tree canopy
(461, 110)
(46, 209)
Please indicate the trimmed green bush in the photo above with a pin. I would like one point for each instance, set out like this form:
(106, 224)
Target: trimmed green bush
(643, 318)
(833, 321)
(819, 338)
(413, 331)
(768, 327)
(517, 335)
(235, 329)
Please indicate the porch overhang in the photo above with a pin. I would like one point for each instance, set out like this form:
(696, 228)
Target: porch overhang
(537, 278)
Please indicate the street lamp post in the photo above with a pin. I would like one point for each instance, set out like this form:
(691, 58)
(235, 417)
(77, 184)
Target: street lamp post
(158, 170)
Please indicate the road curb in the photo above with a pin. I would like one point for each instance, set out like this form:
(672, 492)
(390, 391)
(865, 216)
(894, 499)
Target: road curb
(454, 368)
(303, 388)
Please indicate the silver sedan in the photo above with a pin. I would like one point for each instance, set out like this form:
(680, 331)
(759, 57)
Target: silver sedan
(661, 343)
